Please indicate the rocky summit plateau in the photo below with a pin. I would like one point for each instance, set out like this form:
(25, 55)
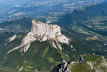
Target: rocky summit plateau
(42, 32)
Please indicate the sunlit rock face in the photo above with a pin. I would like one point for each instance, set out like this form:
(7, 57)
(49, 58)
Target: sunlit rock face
(45, 31)
(42, 32)
(12, 38)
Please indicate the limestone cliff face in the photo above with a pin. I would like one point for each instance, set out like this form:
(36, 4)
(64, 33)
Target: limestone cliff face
(42, 32)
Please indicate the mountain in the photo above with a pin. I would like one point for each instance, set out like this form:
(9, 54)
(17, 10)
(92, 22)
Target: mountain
(32, 8)
(92, 18)
(87, 27)
(43, 32)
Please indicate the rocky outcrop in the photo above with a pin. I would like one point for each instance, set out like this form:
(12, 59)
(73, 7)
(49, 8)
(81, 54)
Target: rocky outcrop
(12, 38)
(42, 32)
